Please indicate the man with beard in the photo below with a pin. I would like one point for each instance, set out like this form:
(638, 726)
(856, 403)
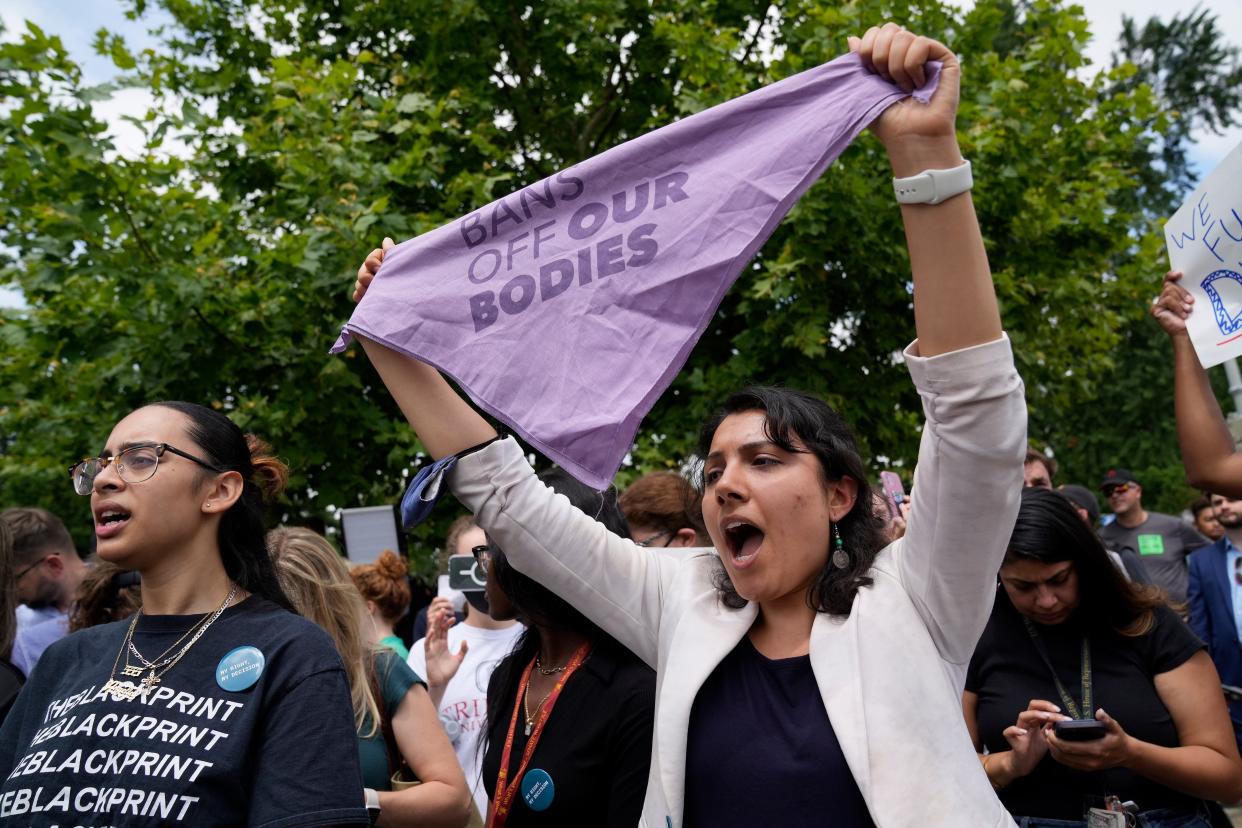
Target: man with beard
(46, 575)
(1215, 597)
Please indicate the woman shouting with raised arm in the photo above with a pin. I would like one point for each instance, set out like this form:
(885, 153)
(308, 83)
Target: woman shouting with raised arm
(806, 673)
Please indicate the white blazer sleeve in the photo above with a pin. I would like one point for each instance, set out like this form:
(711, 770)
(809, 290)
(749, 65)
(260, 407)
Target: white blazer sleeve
(617, 584)
(967, 486)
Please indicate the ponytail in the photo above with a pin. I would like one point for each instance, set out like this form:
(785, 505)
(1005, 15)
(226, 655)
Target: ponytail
(243, 549)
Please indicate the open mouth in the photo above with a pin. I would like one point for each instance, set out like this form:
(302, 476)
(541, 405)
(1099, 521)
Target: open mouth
(110, 521)
(743, 540)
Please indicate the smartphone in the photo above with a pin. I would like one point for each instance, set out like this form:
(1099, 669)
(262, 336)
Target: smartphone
(465, 574)
(1080, 730)
(894, 492)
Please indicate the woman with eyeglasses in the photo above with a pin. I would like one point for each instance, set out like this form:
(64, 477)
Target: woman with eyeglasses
(664, 510)
(569, 711)
(1070, 638)
(196, 709)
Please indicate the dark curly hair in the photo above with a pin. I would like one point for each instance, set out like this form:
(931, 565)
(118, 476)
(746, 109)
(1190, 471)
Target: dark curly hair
(800, 423)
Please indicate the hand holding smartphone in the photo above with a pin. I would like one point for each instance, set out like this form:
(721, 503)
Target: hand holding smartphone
(894, 492)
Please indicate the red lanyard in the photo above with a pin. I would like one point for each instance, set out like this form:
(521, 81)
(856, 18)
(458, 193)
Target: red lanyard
(505, 794)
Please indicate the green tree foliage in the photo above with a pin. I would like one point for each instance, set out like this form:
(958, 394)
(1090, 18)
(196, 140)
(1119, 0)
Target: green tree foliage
(1197, 79)
(291, 136)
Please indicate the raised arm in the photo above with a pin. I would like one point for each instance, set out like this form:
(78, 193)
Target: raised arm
(443, 421)
(954, 301)
(1207, 446)
(611, 580)
(970, 459)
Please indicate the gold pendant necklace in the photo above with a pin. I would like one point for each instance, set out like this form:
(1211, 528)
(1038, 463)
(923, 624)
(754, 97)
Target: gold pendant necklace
(530, 720)
(128, 690)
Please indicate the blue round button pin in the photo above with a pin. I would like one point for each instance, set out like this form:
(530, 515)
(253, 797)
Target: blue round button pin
(239, 669)
(537, 789)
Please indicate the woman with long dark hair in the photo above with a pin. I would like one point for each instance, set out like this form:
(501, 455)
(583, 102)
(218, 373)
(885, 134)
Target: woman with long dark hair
(569, 706)
(806, 673)
(1070, 638)
(195, 710)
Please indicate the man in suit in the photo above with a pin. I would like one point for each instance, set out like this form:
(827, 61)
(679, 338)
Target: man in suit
(1215, 598)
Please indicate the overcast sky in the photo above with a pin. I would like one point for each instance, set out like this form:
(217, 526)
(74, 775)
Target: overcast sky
(76, 22)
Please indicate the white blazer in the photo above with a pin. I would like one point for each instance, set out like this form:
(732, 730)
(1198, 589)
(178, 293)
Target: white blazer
(890, 674)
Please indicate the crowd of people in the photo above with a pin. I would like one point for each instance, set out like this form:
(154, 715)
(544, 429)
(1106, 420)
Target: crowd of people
(770, 639)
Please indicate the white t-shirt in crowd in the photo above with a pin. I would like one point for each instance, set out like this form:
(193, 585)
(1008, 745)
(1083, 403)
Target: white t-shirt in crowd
(463, 710)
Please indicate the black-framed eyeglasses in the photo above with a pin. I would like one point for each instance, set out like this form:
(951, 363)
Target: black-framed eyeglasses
(29, 567)
(482, 554)
(134, 465)
(645, 542)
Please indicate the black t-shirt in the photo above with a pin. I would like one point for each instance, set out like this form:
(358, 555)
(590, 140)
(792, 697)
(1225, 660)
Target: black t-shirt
(282, 752)
(761, 750)
(1007, 672)
(596, 745)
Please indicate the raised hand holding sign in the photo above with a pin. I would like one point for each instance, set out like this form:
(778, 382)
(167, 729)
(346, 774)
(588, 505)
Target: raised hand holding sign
(614, 267)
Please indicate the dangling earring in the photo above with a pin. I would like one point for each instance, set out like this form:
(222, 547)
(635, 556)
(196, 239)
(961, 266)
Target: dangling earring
(839, 557)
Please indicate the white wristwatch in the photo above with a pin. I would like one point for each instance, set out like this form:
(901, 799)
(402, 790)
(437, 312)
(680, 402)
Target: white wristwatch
(371, 797)
(933, 186)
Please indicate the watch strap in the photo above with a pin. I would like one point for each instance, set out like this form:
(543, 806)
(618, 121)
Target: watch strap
(933, 186)
(371, 797)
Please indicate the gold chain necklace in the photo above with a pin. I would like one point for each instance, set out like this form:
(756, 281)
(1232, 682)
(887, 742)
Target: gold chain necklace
(530, 720)
(128, 690)
(548, 671)
(161, 659)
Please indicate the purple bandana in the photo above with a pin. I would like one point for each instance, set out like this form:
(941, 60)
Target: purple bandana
(567, 308)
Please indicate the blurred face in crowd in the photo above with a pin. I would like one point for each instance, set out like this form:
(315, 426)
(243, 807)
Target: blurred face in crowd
(1228, 512)
(1125, 498)
(1046, 593)
(1035, 474)
(1206, 519)
(499, 607)
(768, 511)
(37, 585)
(138, 524)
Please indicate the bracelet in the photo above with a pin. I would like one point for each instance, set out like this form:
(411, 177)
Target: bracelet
(933, 186)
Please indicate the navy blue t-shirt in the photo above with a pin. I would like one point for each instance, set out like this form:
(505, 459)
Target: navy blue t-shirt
(761, 750)
(282, 752)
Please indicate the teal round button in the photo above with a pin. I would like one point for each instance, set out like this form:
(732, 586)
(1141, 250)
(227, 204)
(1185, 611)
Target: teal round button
(239, 669)
(537, 789)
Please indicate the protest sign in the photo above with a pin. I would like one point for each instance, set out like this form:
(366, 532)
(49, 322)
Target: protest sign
(567, 308)
(1204, 238)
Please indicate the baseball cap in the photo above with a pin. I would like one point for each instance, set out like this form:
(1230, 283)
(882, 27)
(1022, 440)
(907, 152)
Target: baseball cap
(1115, 477)
(1083, 498)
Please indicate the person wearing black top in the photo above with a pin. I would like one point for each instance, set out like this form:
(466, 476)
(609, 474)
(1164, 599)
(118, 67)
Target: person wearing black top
(214, 704)
(1070, 638)
(591, 756)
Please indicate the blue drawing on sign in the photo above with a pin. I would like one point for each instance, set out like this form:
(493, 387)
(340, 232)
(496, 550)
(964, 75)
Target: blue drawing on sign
(1227, 323)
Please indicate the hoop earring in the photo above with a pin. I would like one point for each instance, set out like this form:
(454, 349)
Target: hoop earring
(840, 558)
